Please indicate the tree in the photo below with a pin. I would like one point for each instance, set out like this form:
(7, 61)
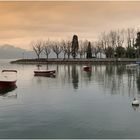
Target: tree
(37, 48)
(57, 48)
(120, 37)
(120, 51)
(130, 52)
(47, 48)
(75, 46)
(89, 52)
(112, 38)
(82, 48)
(130, 37)
(109, 52)
(95, 48)
(138, 43)
(66, 47)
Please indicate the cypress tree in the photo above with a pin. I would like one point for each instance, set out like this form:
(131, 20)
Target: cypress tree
(89, 53)
(75, 46)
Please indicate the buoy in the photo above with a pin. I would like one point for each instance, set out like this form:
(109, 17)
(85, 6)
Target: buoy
(135, 102)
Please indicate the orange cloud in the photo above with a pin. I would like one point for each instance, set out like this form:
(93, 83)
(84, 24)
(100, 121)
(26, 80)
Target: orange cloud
(22, 22)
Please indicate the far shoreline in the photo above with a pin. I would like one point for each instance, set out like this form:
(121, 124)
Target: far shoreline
(76, 61)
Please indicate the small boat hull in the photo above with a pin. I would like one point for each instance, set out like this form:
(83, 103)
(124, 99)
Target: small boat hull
(47, 73)
(6, 84)
(87, 68)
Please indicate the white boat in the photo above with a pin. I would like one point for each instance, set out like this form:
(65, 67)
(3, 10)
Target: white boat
(135, 102)
(6, 83)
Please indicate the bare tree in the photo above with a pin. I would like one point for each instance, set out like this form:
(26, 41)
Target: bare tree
(82, 48)
(66, 48)
(37, 48)
(94, 48)
(57, 48)
(130, 37)
(85, 45)
(112, 38)
(69, 48)
(47, 48)
(104, 42)
(120, 38)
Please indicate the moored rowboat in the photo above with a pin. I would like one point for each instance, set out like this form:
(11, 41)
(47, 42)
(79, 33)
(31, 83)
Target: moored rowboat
(44, 72)
(86, 68)
(6, 83)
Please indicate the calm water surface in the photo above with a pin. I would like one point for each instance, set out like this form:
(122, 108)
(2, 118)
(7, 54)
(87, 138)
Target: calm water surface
(75, 104)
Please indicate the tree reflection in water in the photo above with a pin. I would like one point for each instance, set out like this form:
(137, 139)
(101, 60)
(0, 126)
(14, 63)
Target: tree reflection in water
(138, 81)
(113, 79)
(75, 76)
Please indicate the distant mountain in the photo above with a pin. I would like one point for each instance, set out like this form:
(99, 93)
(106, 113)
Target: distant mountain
(11, 52)
(8, 51)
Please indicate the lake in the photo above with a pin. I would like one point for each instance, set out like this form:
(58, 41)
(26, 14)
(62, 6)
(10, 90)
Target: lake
(75, 104)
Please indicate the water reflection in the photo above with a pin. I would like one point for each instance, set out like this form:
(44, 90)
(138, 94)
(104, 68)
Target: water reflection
(10, 95)
(8, 92)
(120, 70)
(87, 72)
(135, 107)
(138, 82)
(75, 76)
(4, 90)
(114, 78)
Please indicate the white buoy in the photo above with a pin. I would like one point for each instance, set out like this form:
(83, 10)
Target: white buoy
(135, 102)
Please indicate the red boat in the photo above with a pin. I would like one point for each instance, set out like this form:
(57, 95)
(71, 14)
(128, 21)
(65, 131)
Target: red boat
(47, 73)
(6, 82)
(86, 68)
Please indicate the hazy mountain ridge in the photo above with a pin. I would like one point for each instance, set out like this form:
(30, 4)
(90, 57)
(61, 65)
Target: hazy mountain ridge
(8, 51)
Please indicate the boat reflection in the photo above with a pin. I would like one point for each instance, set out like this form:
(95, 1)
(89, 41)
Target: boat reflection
(4, 90)
(135, 107)
(47, 75)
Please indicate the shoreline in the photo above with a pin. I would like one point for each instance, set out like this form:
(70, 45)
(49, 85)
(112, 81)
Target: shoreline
(77, 61)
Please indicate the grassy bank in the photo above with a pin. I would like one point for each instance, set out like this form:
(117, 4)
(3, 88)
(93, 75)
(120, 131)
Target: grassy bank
(76, 61)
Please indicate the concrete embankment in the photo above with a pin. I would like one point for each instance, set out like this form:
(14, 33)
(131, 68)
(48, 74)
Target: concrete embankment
(76, 61)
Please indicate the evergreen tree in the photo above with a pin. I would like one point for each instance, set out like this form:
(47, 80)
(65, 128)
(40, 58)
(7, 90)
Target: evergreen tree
(89, 53)
(75, 46)
(120, 51)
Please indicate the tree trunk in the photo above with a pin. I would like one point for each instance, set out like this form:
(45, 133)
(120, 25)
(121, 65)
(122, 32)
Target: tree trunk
(47, 56)
(38, 57)
(57, 55)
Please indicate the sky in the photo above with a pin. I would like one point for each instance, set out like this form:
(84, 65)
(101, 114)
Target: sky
(22, 22)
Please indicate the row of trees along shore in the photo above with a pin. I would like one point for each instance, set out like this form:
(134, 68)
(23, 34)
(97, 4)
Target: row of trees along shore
(123, 43)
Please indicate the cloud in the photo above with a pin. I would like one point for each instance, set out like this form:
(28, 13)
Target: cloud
(24, 21)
